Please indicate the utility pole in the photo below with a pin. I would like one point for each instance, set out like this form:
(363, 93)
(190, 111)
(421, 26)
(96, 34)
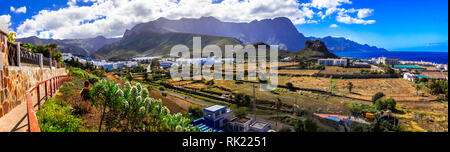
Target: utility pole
(254, 102)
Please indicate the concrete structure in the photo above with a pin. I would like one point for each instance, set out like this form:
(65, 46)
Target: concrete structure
(239, 125)
(387, 61)
(260, 127)
(3, 44)
(333, 62)
(214, 118)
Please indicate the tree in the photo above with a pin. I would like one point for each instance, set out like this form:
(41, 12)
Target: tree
(307, 125)
(383, 104)
(195, 112)
(391, 104)
(333, 87)
(30, 47)
(52, 47)
(350, 86)
(377, 96)
(241, 112)
(57, 56)
(242, 99)
(290, 86)
(417, 87)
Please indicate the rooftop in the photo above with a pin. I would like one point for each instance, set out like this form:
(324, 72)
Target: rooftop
(259, 125)
(408, 67)
(215, 108)
(240, 120)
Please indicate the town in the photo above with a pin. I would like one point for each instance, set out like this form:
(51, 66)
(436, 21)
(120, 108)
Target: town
(313, 95)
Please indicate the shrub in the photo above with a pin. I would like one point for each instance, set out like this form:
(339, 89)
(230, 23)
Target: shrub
(307, 125)
(290, 86)
(131, 109)
(56, 116)
(240, 112)
(285, 129)
(195, 112)
(391, 104)
(377, 96)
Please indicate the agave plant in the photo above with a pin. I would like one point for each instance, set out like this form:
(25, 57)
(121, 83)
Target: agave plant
(132, 105)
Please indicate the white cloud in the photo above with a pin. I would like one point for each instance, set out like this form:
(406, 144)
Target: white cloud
(6, 19)
(111, 18)
(344, 17)
(327, 3)
(363, 13)
(334, 26)
(19, 10)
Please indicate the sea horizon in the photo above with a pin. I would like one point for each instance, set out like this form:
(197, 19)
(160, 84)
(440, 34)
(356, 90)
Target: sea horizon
(435, 57)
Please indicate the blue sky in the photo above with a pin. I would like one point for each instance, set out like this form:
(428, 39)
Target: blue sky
(397, 25)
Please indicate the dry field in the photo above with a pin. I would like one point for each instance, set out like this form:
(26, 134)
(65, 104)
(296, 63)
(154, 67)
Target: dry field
(436, 75)
(299, 72)
(341, 70)
(196, 86)
(423, 116)
(180, 83)
(399, 89)
(306, 100)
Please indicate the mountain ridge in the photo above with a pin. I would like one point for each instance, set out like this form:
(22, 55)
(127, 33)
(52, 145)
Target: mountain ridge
(83, 47)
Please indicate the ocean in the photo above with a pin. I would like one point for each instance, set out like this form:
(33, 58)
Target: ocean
(435, 57)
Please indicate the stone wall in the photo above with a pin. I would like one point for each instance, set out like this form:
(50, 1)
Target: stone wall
(15, 81)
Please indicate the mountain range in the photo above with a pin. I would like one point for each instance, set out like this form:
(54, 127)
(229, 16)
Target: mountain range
(155, 38)
(83, 47)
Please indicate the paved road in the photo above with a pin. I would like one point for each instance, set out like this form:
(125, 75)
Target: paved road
(189, 99)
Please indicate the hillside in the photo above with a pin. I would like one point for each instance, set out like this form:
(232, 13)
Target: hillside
(83, 47)
(315, 49)
(335, 44)
(279, 31)
(149, 43)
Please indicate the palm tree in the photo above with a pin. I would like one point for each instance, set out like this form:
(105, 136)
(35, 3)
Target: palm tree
(52, 47)
(350, 86)
(417, 86)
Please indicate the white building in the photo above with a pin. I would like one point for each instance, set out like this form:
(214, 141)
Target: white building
(333, 62)
(409, 76)
(387, 61)
(149, 59)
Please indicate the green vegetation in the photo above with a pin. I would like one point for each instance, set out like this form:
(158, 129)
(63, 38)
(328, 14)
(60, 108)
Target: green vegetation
(130, 109)
(285, 129)
(361, 109)
(434, 87)
(383, 104)
(307, 63)
(56, 116)
(46, 50)
(240, 112)
(77, 64)
(242, 99)
(377, 96)
(307, 125)
(157, 44)
(195, 112)
(83, 74)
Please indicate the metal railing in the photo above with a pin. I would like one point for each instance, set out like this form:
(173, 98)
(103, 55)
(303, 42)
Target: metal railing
(50, 87)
